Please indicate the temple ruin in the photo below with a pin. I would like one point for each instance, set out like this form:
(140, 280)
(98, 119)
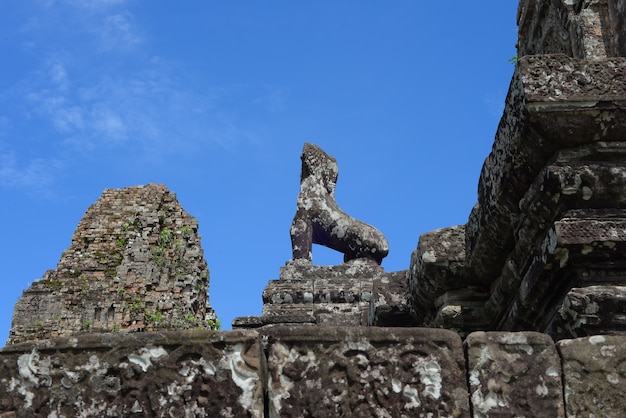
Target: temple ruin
(521, 311)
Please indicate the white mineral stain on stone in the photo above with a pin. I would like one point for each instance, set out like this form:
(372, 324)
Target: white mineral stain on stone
(474, 378)
(553, 372)
(208, 367)
(136, 407)
(483, 404)
(608, 351)
(429, 256)
(279, 390)
(512, 338)
(484, 357)
(541, 389)
(93, 365)
(145, 354)
(396, 385)
(314, 384)
(358, 346)
(452, 311)
(597, 339)
(613, 378)
(430, 376)
(414, 400)
(528, 349)
(244, 377)
(184, 371)
(587, 193)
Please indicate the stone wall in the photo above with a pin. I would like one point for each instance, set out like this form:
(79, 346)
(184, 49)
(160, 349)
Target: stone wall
(135, 263)
(293, 371)
(541, 259)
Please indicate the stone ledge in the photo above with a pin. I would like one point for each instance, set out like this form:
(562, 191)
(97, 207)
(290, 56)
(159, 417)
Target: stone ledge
(356, 372)
(514, 374)
(594, 371)
(305, 370)
(195, 373)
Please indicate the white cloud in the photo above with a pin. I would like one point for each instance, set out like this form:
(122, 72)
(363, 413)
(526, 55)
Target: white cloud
(118, 32)
(36, 174)
(274, 98)
(87, 101)
(108, 124)
(58, 75)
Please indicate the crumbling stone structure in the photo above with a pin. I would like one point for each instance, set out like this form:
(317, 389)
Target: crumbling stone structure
(134, 264)
(543, 248)
(532, 289)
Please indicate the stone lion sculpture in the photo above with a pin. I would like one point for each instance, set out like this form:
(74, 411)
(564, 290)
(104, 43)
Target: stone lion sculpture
(319, 220)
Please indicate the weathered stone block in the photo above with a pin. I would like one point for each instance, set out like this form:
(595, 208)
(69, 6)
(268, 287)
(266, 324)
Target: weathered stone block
(594, 375)
(288, 312)
(389, 306)
(303, 269)
(582, 29)
(365, 372)
(341, 314)
(288, 291)
(514, 374)
(590, 310)
(437, 265)
(176, 373)
(340, 290)
(583, 102)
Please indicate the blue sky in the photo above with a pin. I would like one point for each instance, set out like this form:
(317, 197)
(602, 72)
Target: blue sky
(215, 99)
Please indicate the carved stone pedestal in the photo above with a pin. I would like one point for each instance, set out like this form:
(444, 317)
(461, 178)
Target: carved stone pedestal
(318, 295)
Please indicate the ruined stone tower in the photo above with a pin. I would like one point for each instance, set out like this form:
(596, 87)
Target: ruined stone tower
(134, 264)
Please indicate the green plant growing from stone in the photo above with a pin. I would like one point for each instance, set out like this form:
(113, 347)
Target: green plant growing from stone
(165, 237)
(84, 282)
(136, 304)
(214, 324)
(154, 316)
(186, 232)
(157, 254)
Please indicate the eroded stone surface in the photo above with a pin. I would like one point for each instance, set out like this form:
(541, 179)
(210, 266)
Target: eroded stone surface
(389, 306)
(175, 373)
(321, 295)
(135, 263)
(540, 117)
(319, 220)
(514, 374)
(438, 266)
(594, 375)
(583, 29)
(590, 310)
(365, 372)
